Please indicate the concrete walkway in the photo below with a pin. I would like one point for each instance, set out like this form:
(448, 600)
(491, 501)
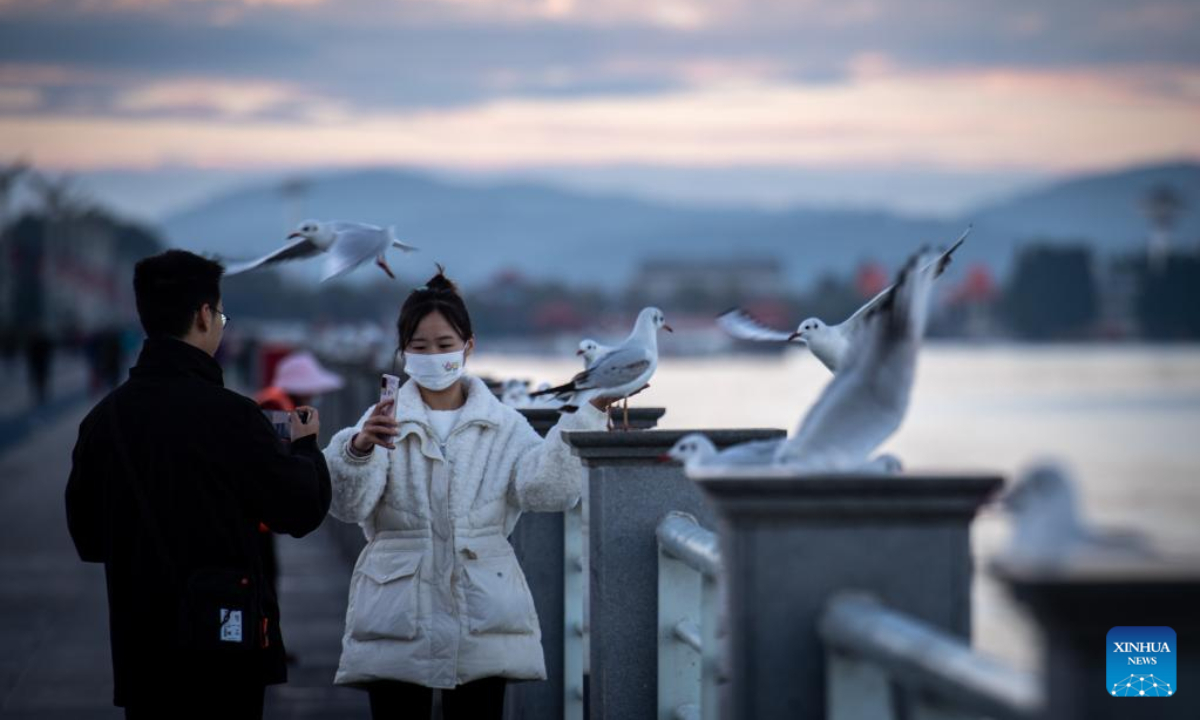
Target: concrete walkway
(55, 661)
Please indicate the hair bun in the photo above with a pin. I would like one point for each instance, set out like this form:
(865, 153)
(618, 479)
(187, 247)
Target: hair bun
(441, 283)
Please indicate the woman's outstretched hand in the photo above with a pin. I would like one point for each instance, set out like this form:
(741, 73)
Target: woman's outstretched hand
(379, 429)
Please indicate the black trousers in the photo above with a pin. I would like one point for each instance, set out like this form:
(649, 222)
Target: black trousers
(228, 702)
(481, 699)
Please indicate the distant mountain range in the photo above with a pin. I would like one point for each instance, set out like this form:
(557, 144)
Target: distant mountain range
(478, 230)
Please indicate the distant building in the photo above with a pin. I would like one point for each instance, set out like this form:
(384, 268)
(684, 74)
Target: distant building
(70, 275)
(1167, 303)
(1119, 280)
(1162, 207)
(1052, 293)
(663, 281)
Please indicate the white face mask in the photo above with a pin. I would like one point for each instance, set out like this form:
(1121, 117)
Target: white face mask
(434, 372)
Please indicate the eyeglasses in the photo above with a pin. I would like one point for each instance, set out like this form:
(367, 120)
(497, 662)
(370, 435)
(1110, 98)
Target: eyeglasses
(224, 317)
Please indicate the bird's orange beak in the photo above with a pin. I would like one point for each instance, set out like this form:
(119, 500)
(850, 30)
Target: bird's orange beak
(665, 458)
(668, 328)
(793, 336)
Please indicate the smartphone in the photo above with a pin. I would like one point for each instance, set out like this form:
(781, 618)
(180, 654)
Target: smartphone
(388, 387)
(282, 422)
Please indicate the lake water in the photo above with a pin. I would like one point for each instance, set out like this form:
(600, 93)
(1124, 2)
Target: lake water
(1124, 419)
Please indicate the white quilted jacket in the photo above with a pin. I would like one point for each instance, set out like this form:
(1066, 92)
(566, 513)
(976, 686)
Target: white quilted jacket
(437, 596)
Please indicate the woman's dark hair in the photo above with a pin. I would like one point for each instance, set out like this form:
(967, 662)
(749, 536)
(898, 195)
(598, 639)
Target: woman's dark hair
(170, 287)
(439, 294)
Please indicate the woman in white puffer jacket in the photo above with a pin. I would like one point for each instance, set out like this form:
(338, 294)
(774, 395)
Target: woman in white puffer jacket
(437, 598)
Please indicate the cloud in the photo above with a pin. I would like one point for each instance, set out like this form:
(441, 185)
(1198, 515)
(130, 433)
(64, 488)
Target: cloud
(229, 100)
(1012, 118)
(438, 53)
(14, 99)
(508, 83)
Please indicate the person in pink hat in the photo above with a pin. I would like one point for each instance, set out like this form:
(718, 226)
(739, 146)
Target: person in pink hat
(299, 380)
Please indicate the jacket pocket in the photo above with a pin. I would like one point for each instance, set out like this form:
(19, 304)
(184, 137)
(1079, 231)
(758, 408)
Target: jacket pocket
(386, 597)
(498, 599)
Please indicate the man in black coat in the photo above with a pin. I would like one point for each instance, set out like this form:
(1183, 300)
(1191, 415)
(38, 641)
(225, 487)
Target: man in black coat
(172, 475)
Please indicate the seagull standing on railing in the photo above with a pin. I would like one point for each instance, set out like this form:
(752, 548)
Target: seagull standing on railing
(346, 245)
(619, 373)
(695, 449)
(591, 351)
(1048, 528)
(867, 398)
(514, 393)
(829, 343)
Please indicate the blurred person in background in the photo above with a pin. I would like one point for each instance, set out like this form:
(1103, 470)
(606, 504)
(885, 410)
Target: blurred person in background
(104, 352)
(300, 381)
(170, 477)
(39, 360)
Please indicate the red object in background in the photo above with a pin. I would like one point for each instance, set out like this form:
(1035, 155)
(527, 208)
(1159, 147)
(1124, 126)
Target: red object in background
(557, 315)
(508, 276)
(272, 398)
(871, 279)
(268, 358)
(977, 287)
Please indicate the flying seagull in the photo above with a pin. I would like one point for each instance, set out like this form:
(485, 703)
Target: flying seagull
(346, 245)
(828, 342)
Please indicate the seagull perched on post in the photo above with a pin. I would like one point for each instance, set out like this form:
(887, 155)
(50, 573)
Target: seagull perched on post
(591, 351)
(346, 245)
(1048, 528)
(828, 343)
(619, 373)
(695, 449)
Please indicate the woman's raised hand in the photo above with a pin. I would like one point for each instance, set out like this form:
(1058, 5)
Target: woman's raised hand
(379, 429)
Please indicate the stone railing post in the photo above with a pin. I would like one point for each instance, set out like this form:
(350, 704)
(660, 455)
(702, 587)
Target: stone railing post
(1076, 605)
(538, 541)
(630, 490)
(788, 543)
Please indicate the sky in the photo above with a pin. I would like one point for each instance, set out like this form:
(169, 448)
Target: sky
(920, 105)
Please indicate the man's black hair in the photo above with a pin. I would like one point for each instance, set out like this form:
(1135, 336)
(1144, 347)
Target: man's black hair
(171, 286)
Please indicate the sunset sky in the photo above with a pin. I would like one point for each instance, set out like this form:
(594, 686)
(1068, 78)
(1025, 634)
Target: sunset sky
(981, 90)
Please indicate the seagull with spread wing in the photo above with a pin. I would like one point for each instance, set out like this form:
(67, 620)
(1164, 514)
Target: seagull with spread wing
(829, 343)
(345, 245)
(867, 399)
